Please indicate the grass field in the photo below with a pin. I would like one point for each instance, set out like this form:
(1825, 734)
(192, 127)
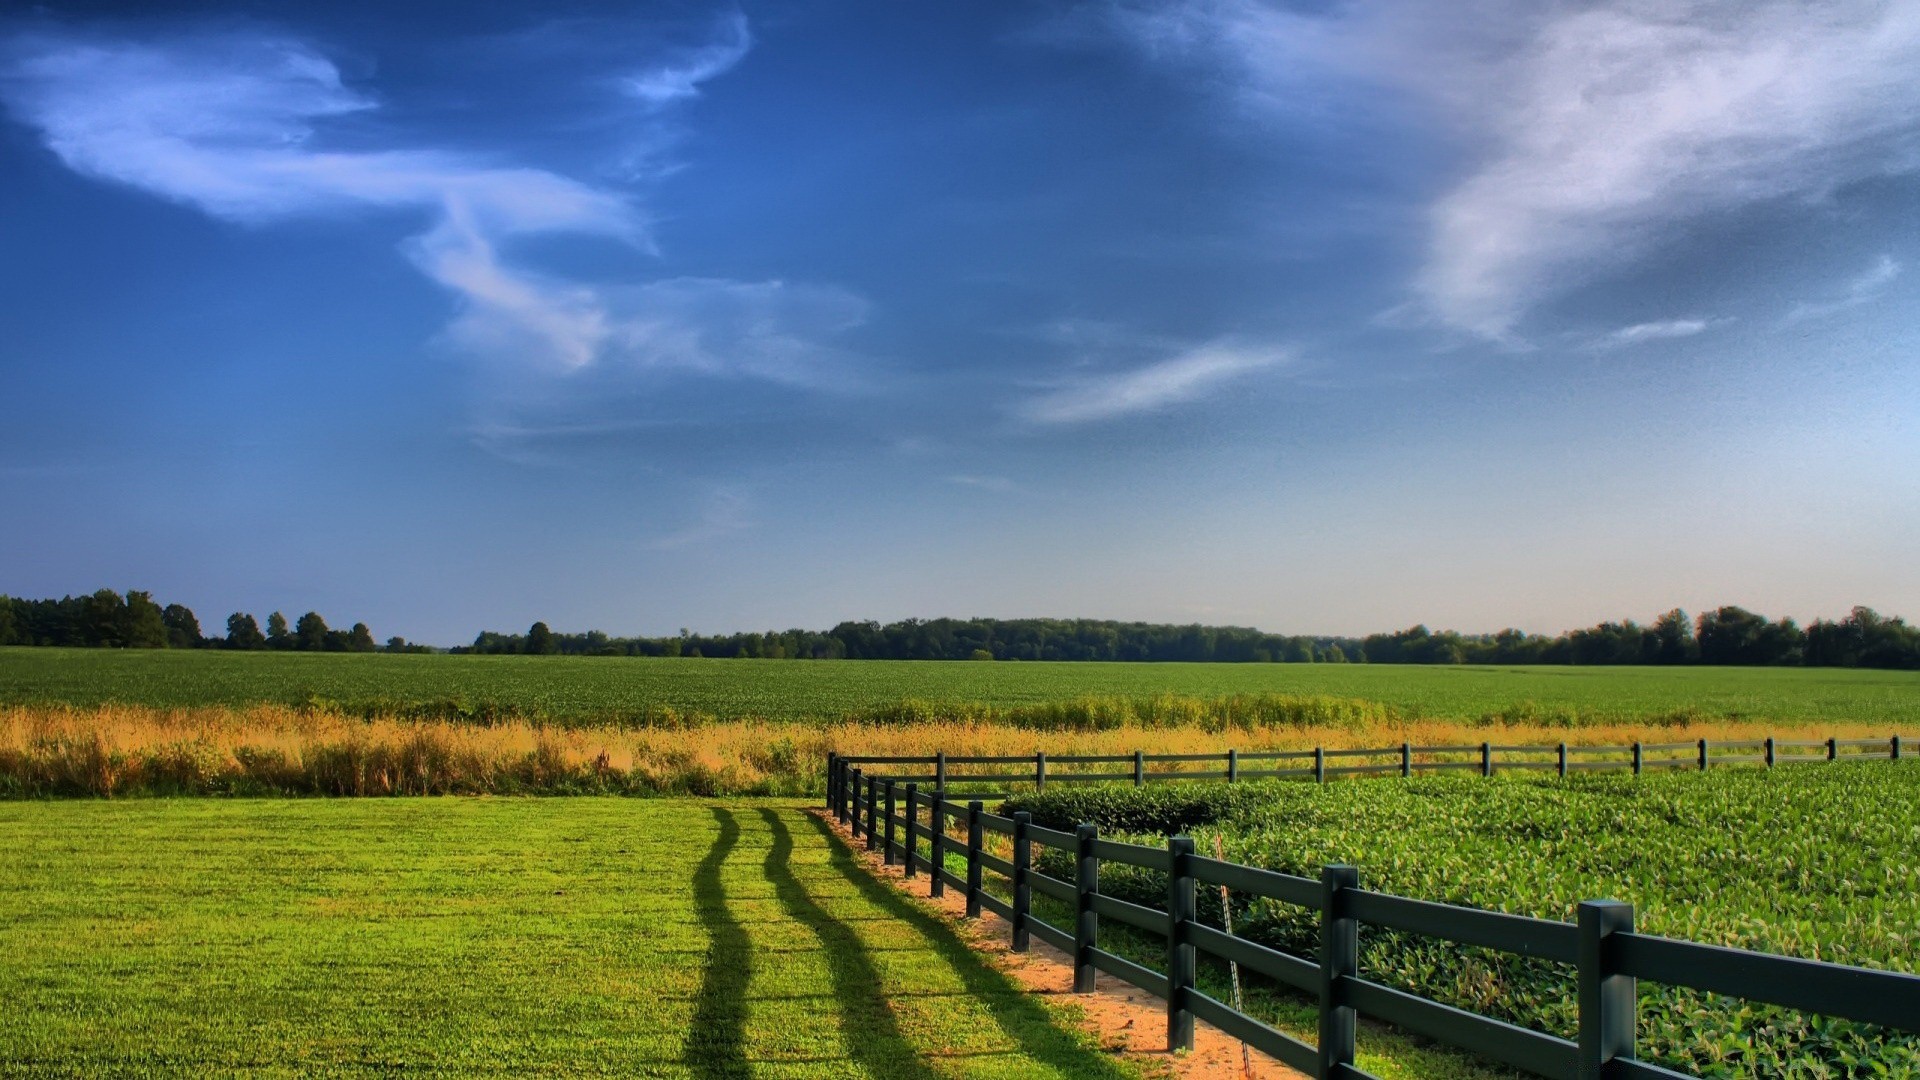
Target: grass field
(1813, 860)
(579, 937)
(587, 690)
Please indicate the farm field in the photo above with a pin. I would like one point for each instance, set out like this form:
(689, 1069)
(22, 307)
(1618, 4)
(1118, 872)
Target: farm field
(614, 689)
(1814, 861)
(578, 937)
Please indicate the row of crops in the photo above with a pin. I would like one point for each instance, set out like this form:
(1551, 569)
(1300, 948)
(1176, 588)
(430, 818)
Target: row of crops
(1817, 862)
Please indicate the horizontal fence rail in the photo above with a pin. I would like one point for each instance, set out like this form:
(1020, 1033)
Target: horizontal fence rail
(894, 814)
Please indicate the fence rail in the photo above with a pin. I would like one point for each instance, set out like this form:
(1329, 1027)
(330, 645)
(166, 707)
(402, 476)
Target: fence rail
(893, 814)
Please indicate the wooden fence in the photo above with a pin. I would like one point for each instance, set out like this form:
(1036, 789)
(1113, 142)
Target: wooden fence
(894, 815)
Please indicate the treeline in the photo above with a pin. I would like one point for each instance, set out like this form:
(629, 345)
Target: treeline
(1724, 636)
(134, 620)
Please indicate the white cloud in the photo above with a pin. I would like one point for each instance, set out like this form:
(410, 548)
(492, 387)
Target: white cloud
(1186, 377)
(1588, 130)
(670, 83)
(1861, 290)
(232, 125)
(999, 484)
(1656, 331)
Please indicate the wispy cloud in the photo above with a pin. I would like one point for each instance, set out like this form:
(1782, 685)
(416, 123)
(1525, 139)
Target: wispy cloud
(1663, 330)
(1588, 129)
(237, 125)
(1861, 290)
(1187, 377)
(998, 484)
(679, 78)
(724, 511)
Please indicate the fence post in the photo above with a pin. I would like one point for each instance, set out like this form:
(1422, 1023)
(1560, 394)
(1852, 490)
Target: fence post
(974, 840)
(853, 803)
(1606, 996)
(1233, 766)
(1406, 759)
(1040, 771)
(1769, 751)
(1896, 748)
(1022, 887)
(833, 773)
(1319, 764)
(937, 843)
(1638, 760)
(913, 818)
(1139, 768)
(1703, 755)
(940, 770)
(1086, 921)
(1833, 749)
(886, 848)
(1182, 962)
(1563, 761)
(1339, 959)
(873, 812)
(1486, 759)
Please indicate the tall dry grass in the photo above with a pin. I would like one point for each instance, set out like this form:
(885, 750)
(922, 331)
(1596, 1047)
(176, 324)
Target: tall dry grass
(51, 751)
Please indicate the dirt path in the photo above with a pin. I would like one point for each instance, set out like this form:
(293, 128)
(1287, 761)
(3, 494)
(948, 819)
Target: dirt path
(1126, 1018)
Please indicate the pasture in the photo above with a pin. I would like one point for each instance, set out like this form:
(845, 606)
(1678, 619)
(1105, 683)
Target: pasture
(469, 937)
(592, 690)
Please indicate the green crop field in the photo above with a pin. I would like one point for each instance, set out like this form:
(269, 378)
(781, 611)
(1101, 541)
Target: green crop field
(1815, 860)
(466, 937)
(573, 689)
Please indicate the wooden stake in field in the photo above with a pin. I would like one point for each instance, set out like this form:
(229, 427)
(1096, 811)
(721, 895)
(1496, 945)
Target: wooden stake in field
(1233, 966)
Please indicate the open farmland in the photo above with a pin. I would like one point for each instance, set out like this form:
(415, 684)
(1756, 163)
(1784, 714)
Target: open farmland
(597, 690)
(580, 937)
(1815, 861)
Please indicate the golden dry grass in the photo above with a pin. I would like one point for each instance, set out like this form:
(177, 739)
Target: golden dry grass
(51, 750)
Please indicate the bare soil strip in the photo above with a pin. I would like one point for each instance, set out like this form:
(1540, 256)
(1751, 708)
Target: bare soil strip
(1126, 1019)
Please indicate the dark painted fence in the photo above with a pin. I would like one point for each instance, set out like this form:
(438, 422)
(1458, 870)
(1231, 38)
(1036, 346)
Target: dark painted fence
(894, 816)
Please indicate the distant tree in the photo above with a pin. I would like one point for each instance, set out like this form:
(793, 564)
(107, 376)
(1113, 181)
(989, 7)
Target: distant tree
(1336, 655)
(540, 640)
(1673, 637)
(310, 633)
(183, 629)
(145, 624)
(277, 636)
(9, 624)
(360, 638)
(103, 617)
(980, 654)
(244, 633)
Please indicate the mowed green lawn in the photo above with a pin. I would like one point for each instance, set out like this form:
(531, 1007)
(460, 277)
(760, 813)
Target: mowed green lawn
(585, 689)
(565, 937)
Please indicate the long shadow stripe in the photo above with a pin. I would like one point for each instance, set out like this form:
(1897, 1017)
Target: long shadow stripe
(713, 1048)
(1028, 1023)
(868, 1028)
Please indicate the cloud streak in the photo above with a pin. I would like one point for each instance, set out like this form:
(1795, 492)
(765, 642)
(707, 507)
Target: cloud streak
(1184, 378)
(236, 125)
(1586, 130)
(671, 83)
(1863, 289)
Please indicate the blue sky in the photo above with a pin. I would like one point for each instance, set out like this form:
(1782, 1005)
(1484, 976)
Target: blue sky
(1319, 317)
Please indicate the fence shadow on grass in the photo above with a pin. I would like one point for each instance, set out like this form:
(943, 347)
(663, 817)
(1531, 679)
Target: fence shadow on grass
(868, 1028)
(1033, 1029)
(714, 1040)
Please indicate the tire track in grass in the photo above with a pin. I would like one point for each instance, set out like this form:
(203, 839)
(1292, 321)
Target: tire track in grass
(714, 1049)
